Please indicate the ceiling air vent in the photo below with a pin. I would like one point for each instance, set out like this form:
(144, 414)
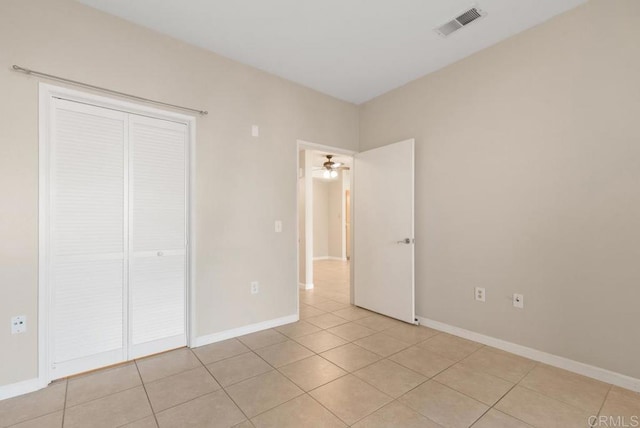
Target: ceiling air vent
(463, 20)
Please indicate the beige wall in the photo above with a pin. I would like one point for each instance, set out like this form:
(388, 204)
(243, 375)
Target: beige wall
(320, 218)
(334, 218)
(528, 181)
(239, 194)
(327, 238)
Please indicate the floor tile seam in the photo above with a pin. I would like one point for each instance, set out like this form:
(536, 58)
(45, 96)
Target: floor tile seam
(221, 360)
(493, 374)
(105, 396)
(260, 347)
(606, 397)
(301, 335)
(371, 413)
(324, 407)
(318, 353)
(64, 406)
(562, 401)
(505, 412)
(147, 394)
(442, 355)
(222, 388)
(278, 405)
(281, 404)
(31, 419)
(273, 368)
(328, 300)
(133, 422)
(395, 398)
(296, 342)
(383, 356)
(482, 373)
(319, 386)
(350, 341)
(454, 390)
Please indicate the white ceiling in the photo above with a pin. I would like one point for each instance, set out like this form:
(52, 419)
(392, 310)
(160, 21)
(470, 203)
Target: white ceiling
(351, 49)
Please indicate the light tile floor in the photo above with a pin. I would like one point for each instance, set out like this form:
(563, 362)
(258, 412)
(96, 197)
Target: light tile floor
(339, 366)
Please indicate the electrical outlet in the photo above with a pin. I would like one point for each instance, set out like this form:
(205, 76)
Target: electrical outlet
(480, 294)
(255, 287)
(255, 131)
(278, 226)
(18, 324)
(518, 301)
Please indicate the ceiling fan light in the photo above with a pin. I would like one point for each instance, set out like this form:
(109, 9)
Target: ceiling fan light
(326, 173)
(334, 174)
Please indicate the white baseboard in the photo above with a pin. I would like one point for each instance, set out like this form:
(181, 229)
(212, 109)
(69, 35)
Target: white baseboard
(315, 259)
(305, 286)
(19, 388)
(241, 331)
(594, 372)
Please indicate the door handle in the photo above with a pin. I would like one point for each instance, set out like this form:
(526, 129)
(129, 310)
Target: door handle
(405, 241)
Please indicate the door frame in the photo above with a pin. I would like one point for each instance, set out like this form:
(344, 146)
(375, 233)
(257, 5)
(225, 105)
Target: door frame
(47, 93)
(306, 145)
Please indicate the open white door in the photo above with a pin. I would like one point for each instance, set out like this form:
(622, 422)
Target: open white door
(383, 209)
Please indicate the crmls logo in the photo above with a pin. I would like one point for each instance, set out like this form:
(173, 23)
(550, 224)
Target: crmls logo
(614, 421)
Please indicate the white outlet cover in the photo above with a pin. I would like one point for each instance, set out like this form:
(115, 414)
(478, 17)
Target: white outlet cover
(481, 294)
(255, 131)
(255, 287)
(278, 226)
(18, 324)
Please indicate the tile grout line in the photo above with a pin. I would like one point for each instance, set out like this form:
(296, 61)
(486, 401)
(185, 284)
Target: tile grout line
(223, 389)
(606, 397)
(144, 387)
(493, 407)
(66, 393)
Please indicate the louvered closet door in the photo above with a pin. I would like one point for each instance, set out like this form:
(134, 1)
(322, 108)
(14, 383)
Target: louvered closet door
(86, 254)
(157, 277)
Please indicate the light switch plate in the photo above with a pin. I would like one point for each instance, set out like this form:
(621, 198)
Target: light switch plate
(278, 226)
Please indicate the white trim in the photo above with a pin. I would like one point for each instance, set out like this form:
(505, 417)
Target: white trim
(308, 217)
(241, 331)
(306, 145)
(157, 346)
(19, 388)
(594, 372)
(306, 286)
(47, 93)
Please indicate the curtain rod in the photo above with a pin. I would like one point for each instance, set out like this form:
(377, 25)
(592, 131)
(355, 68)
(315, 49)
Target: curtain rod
(98, 88)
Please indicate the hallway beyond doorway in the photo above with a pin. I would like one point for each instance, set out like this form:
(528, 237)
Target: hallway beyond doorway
(332, 280)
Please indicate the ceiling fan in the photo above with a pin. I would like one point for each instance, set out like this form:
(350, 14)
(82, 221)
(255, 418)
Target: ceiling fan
(330, 168)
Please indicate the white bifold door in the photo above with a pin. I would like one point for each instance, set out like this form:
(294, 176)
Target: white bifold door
(116, 247)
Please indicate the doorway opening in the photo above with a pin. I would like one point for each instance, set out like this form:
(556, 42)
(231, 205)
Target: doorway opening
(324, 219)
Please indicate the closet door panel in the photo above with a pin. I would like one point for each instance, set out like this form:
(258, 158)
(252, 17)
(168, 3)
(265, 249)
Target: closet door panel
(158, 298)
(158, 234)
(87, 237)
